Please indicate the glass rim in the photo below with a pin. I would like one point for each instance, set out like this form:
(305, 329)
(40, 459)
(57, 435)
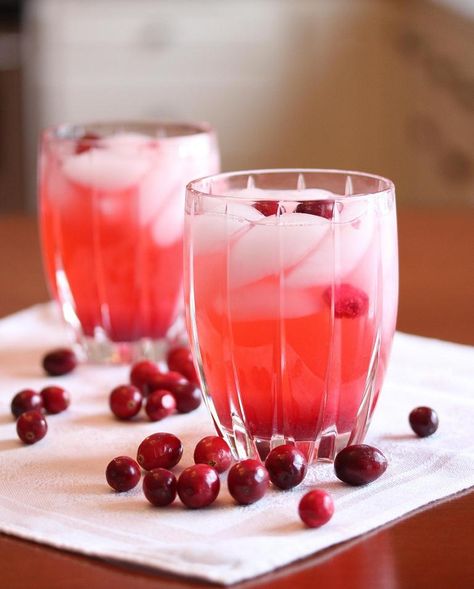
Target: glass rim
(64, 132)
(196, 186)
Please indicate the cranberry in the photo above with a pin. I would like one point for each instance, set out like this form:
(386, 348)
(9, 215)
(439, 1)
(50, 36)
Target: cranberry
(142, 372)
(159, 487)
(424, 421)
(170, 381)
(316, 508)
(286, 466)
(247, 481)
(320, 208)
(160, 404)
(86, 142)
(188, 399)
(31, 426)
(123, 473)
(161, 450)
(26, 400)
(267, 207)
(198, 486)
(125, 401)
(59, 362)
(181, 360)
(55, 399)
(350, 302)
(359, 464)
(215, 452)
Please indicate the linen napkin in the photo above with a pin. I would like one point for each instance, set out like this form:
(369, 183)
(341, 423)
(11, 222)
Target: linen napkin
(54, 492)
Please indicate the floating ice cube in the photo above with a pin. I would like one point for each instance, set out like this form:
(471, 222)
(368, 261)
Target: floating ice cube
(273, 245)
(104, 169)
(337, 254)
(212, 231)
(127, 143)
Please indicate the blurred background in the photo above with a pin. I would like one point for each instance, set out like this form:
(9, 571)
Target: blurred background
(385, 86)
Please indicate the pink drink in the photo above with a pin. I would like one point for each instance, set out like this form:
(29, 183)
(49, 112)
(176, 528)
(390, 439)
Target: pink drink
(292, 313)
(112, 224)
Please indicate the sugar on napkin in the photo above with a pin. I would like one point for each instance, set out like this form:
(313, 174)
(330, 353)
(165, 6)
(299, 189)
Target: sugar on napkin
(55, 492)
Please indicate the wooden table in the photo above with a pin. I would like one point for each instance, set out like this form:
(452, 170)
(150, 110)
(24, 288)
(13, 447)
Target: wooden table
(431, 548)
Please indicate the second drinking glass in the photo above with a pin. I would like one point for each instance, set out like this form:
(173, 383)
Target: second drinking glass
(111, 214)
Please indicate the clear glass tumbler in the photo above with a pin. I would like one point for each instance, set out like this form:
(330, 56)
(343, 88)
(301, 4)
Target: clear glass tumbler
(111, 215)
(291, 286)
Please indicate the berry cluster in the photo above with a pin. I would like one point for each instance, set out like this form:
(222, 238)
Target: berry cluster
(28, 407)
(161, 393)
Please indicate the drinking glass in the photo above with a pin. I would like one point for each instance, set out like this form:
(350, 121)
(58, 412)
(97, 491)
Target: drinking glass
(111, 216)
(291, 288)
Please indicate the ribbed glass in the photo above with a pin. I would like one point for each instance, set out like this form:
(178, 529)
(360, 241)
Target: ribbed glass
(291, 289)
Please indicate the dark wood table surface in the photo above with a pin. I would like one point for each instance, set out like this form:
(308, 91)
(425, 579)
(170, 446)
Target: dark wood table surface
(431, 548)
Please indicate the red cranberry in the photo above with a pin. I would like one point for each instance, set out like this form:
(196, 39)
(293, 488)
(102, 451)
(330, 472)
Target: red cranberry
(170, 381)
(320, 208)
(316, 508)
(161, 450)
(181, 360)
(188, 399)
(359, 464)
(350, 302)
(123, 473)
(198, 486)
(286, 466)
(142, 372)
(86, 142)
(31, 426)
(59, 362)
(267, 207)
(247, 481)
(424, 421)
(125, 401)
(160, 404)
(159, 487)
(215, 452)
(55, 399)
(26, 400)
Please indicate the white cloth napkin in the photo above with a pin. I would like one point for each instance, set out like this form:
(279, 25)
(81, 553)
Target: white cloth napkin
(55, 492)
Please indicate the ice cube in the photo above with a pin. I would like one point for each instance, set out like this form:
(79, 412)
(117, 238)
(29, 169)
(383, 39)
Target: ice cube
(127, 143)
(275, 244)
(337, 254)
(212, 231)
(104, 169)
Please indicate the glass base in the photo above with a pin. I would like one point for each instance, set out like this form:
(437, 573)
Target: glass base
(101, 350)
(323, 449)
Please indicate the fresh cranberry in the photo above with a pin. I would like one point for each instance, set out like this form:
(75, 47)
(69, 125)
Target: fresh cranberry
(424, 421)
(142, 372)
(159, 487)
(247, 481)
(170, 381)
(359, 464)
(215, 452)
(55, 399)
(316, 508)
(198, 486)
(181, 360)
(125, 401)
(320, 208)
(188, 399)
(31, 426)
(86, 142)
(123, 473)
(267, 207)
(350, 302)
(286, 466)
(159, 405)
(59, 362)
(26, 400)
(161, 450)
